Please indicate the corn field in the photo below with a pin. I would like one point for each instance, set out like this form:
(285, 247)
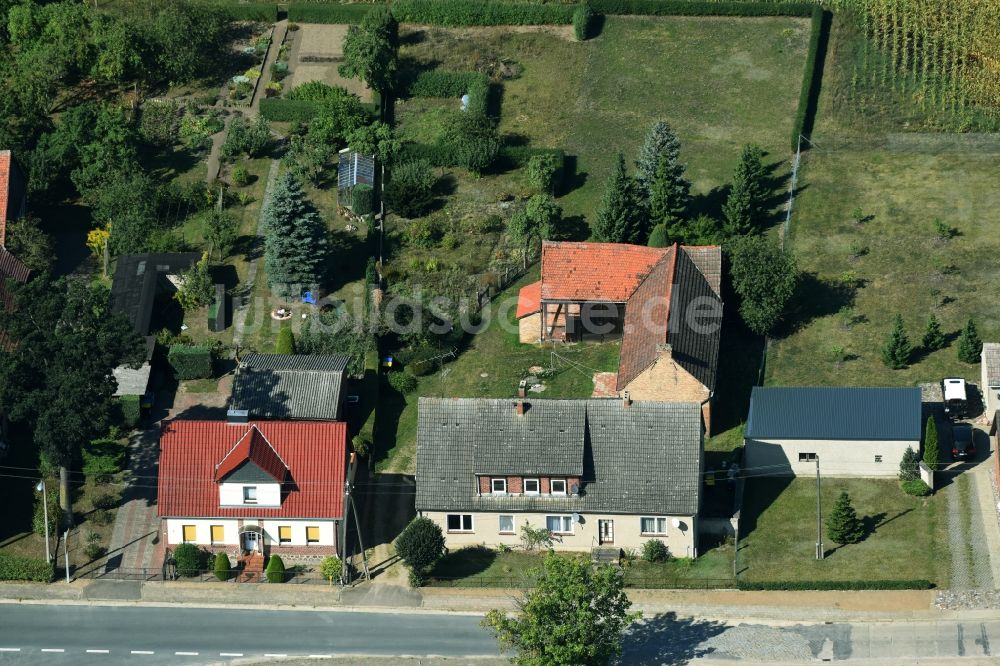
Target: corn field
(945, 54)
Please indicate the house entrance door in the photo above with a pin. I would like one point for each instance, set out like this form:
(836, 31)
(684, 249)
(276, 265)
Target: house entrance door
(251, 541)
(605, 531)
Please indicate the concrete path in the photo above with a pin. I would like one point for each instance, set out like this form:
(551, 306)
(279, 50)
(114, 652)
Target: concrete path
(215, 154)
(277, 36)
(136, 524)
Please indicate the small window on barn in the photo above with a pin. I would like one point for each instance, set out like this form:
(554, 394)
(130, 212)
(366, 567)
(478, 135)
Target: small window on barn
(878, 459)
(807, 457)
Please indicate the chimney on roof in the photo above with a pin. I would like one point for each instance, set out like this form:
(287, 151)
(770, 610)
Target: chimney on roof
(664, 350)
(522, 389)
(626, 400)
(521, 407)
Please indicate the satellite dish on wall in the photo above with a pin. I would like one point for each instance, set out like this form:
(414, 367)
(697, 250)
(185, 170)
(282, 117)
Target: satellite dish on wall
(676, 523)
(575, 489)
(576, 518)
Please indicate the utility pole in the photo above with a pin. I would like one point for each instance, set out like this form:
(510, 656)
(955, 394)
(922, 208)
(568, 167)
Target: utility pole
(819, 517)
(65, 553)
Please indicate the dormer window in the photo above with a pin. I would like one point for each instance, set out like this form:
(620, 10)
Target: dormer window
(499, 486)
(531, 486)
(557, 486)
(249, 494)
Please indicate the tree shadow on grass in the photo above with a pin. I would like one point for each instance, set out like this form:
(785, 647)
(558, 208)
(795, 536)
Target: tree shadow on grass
(572, 178)
(814, 298)
(759, 494)
(251, 247)
(464, 562)
(348, 254)
(668, 640)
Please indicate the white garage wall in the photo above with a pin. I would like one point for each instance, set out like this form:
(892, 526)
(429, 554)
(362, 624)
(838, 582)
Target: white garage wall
(836, 457)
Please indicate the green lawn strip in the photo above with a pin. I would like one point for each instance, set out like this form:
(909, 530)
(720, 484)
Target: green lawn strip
(906, 268)
(778, 531)
(489, 366)
(201, 385)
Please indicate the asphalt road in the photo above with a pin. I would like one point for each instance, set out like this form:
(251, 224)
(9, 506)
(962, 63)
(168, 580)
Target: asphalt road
(49, 634)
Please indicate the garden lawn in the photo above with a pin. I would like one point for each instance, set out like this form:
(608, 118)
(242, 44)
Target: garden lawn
(907, 269)
(907, 536)
(490, 366)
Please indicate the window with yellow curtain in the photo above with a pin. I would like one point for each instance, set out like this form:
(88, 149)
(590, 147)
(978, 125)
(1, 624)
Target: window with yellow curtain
(312, 535)
(218, 533)
(190, 533)
(284, 534)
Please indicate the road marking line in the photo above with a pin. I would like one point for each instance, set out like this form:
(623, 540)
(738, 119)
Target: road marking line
(321, 656)
(53, 650)
(10, 649)
(230, 654)
(143, 652)
(271, 654)
(186, 654)
(98, 651)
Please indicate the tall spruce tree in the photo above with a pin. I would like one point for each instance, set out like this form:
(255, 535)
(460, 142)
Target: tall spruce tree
(660, 142)
(933, 337)
(970, 346)
(744, 209)
(668, 196)
(932, 451)
(897, 349)
(843, 524)
(622, 218)
(296, 246)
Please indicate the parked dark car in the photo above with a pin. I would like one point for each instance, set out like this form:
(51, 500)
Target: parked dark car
(963, 442)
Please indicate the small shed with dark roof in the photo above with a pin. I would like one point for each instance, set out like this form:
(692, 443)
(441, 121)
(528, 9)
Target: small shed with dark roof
(280, 386)
(851, 431)
(139, 278)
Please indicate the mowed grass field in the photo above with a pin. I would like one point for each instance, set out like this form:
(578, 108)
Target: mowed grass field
(907, 269)
(907, 536)
(720, 82)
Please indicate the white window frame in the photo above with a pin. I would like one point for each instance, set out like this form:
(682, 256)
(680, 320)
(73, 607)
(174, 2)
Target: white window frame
(657, 522)
(807, 456)
(564, 519)
(461, 522)
(247, 491)
(536, 491)
(493, 485)
(552, 489)
(513, 524)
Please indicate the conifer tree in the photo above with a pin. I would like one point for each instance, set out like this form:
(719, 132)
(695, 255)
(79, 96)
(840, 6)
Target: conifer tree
(622, 218)
(897, 349)
(933, 337)
(932, 451)
(661, 141)
(970, 347)
(668, 196)
(908, 468)
(296, 246)
(658, 236)
(843, 524)
(744, 209)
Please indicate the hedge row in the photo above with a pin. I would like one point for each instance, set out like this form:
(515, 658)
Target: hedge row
(335, 13)
(129, 408)
(440, 155)
(700, 8)
(915, 584)
(190, 362)
(15, 567)
(813, 77)
(476, 12)
(438, 83)
(279, 109)
(256, 11)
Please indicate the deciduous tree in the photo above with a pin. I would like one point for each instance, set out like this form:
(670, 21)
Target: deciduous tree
(370, 50)
(573, 616)
(420, 545)
(764, 276)
(473, 140)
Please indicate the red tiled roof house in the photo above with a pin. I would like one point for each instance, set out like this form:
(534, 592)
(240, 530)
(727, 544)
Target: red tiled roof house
(664, 304)
(260, 486)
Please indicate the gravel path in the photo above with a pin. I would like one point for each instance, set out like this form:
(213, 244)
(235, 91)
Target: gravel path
(970, 557)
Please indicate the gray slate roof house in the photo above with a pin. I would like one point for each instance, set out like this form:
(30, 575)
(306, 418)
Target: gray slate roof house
(640, 459)
(850, 431)
(279, 386)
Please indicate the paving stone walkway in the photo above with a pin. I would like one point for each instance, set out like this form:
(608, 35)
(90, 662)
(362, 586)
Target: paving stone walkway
(136, 525)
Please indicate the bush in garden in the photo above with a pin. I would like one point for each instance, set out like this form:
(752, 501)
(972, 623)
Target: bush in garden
(129, 410)
(409, 192)
(475, 12)
(241, 177)
(55, 513)
(14, 567)
(158, 122)
(479, 94)
(404, 382)
(542, 170)
(190, 362)
(275, 571)
(331, 568)
(439, 83)
(279, 70)
(223, 567)
(315, 91)
(362, 445)
(915, 487)
(189, 559)
(473, 140)
(420, 546)
(655, 550)
(105, 501)
(284, 109)
(362, 199)
(583, 18)
(102, 459)
(423, 232)
(196, 130)
(285, 344)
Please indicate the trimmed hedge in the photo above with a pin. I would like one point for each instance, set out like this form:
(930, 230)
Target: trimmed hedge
(700, 8)
(335, 13)
(15, 567)
(257, 11)
(915, 584)
(275, 570)
(129, 408)
(279, 110)
(813, 77)
(438, 83)
(362, 199)
(440, 155)
(479, 94)
(583, 19)
(476, 12)
(190, 362)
